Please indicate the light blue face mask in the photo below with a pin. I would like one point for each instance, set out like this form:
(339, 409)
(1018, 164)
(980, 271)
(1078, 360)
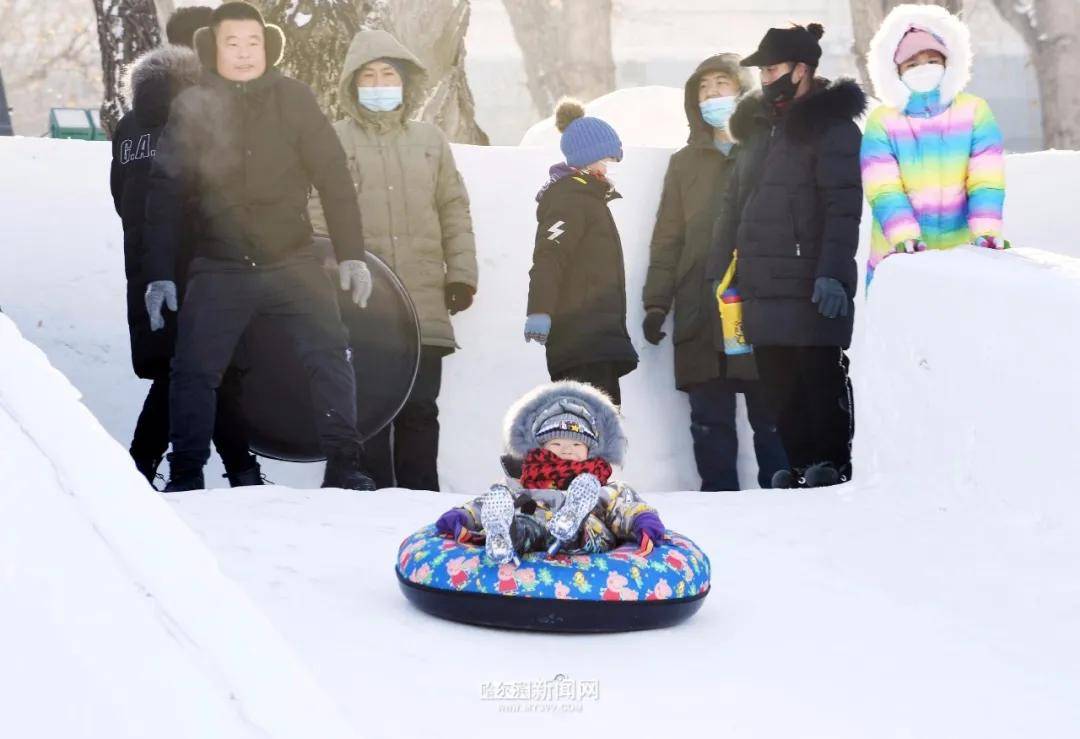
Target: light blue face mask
(380, 99)
(717, 111)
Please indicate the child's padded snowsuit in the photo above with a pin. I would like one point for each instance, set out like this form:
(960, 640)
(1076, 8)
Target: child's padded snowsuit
(612, 520)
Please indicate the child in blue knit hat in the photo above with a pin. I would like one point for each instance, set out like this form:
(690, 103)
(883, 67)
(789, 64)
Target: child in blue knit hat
(577, 285)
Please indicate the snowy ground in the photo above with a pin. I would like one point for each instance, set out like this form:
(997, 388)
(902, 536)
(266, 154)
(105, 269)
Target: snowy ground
(936, 597)
(855, 613)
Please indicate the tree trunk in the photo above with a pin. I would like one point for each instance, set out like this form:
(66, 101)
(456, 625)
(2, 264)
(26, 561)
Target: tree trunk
(165, 8)
(6, 128)
(126, 30)
(867, 16)
(318, 33)
(1051, 29)
(434, 30)
(566, 45)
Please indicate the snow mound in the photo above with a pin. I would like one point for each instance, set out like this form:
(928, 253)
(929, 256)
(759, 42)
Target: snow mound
(117, 620)
(968, 389)
(642, 116)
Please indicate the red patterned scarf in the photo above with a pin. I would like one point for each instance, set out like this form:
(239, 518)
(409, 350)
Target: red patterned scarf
(544, 470)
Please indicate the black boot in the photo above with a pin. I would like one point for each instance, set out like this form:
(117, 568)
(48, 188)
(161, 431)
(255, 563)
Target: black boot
(343, 471)
(183, 481)
(821, 475)
(785, 479)
(244, 478)
(147, 467)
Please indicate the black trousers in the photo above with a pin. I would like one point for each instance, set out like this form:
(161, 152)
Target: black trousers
(405, 453)
(218, 305)
(151, 438)
(811, 392)
(601, 375)
(716, 440)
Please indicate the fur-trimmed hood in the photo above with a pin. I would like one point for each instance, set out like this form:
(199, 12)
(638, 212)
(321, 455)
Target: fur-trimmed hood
(700, 131)
(156, 78)
(807, 116)
(883, 72)
(367, 46)
(520, 423)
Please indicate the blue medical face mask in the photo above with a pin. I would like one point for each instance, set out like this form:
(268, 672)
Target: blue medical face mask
(717, 111)
(380, 99)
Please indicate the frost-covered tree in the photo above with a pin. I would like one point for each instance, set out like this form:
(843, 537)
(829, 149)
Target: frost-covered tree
(319, 33)
(566, 46)
(50, 58)
(1051, 29)
(126, 30)
(866, 19)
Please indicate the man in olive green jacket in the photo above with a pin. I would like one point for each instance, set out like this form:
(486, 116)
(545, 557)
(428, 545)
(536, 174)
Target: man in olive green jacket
(416, 219)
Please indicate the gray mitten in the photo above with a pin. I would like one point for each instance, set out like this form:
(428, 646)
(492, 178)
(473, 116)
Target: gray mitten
(356, 278)
(158, 292)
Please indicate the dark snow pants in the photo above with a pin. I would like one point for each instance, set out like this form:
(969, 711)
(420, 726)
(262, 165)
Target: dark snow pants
(811, 392)
(151, 438)
(405, 453)
(716, 441)
(601, 375)
(220, 301)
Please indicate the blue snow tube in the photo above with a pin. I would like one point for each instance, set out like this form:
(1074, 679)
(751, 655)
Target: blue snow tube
(612, 591)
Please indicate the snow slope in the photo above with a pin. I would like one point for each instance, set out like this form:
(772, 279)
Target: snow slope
(642, 116)
(116, 619)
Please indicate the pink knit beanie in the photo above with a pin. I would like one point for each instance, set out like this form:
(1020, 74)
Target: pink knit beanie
(916, 40)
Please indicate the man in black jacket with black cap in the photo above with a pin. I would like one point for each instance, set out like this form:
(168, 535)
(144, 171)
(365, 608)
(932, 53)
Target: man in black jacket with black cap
(245, 145)
(792, 214)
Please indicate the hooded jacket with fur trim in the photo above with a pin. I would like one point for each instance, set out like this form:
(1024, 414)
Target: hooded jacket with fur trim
(611, 521)
(155, 80)
(792, 211)
(933, 163)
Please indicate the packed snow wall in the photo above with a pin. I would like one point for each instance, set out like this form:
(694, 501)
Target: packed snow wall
(116, 619)
(61, 279)
(967, 375)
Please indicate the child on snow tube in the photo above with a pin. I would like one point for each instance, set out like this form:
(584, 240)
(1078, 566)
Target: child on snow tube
(932, 157)
(562, 439)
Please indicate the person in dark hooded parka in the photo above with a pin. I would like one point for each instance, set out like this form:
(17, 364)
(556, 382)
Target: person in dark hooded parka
(155, 80)
(694, 188)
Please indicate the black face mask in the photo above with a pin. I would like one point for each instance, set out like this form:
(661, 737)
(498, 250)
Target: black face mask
(780, 90)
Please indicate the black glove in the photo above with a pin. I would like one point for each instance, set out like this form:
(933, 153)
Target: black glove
(831, 297)
(459, 296)
(654, 321)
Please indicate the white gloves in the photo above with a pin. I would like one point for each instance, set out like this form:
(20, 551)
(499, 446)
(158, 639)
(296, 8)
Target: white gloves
(356, 277)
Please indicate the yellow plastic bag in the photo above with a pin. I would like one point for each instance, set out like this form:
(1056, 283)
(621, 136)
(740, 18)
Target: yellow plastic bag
(731, 314)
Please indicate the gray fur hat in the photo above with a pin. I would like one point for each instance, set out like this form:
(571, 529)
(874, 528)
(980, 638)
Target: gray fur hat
(569, 410)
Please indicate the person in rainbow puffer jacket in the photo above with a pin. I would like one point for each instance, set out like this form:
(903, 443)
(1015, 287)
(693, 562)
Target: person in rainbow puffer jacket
(932, 157)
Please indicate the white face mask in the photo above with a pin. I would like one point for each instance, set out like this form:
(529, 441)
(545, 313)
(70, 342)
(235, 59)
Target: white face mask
(924, 78)
(612, 170)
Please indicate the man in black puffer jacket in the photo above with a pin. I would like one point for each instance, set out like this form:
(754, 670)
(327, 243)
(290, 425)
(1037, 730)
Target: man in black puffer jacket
(792, 213)
(156, 79)
(245, 145)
